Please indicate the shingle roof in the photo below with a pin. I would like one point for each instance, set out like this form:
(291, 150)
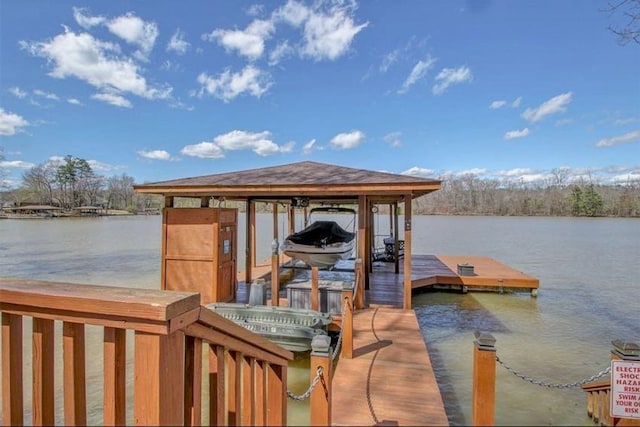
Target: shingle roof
(311, 178)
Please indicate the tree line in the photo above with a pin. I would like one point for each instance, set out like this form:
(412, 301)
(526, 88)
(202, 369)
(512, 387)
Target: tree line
(470, 195)
(72, 183)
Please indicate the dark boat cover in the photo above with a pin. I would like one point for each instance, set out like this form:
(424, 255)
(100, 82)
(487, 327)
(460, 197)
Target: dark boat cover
(321, 233)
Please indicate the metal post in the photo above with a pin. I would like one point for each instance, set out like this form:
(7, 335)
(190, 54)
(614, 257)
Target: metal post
(320, 399)
(484, 380)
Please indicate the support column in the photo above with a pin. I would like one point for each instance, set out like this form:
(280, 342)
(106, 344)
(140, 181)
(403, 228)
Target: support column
(315, 299)
(250, 249)
(275, 261)
(363, 254)
(407, 252)
(484, 380)
(347, 321)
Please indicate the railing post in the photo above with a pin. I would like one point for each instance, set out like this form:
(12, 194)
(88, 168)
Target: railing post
(320, 400)
(158, 379)
(358, 285)
(347, 321)
(484, 380)
(624, 350)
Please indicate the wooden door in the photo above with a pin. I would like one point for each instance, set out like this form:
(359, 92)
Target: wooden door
(227, 262)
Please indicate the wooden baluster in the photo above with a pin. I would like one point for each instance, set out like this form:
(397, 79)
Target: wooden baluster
(261, 394)
(115, 361)
(12, 393)
(484, 380)
(320, 400)
(192, 381)
(75, 389)
(248, 391)
(43, 372)
(159, 379)
(233, 388)
(276, 395)
(217, 414)
(315, 304)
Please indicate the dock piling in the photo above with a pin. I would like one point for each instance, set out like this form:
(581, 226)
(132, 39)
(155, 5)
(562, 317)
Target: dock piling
(484, 380)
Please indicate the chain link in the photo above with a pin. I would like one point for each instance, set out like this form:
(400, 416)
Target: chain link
(313, 385)
(553, 385)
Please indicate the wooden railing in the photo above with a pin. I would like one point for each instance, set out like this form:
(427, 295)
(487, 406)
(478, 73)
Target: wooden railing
(247, 373)
(598, 399)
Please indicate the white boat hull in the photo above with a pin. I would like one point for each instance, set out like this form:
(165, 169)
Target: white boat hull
(313, 256)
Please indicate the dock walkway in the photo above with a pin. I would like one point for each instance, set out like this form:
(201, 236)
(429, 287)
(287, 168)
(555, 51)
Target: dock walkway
(390, 380)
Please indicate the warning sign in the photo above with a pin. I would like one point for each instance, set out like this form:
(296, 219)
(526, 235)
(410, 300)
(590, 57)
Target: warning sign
(625, 389)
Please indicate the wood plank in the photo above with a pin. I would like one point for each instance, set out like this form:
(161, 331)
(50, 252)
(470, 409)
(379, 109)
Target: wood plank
(193, 381)
(217, 414)
(395, 350)
(276, 395)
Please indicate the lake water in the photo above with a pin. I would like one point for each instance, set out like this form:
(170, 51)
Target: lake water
(589, 295)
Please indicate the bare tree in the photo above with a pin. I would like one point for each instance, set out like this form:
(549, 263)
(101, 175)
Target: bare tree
(628, 11)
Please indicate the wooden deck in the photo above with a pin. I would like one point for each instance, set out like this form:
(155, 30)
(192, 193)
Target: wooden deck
(390, 380)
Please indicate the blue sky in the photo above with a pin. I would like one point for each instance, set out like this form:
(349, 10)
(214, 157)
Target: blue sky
(158, 90)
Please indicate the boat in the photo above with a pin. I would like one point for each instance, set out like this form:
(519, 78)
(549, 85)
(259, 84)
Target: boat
(293, 329)
(323, 243)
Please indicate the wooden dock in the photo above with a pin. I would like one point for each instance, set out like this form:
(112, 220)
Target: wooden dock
(390, 380)
(488, 274)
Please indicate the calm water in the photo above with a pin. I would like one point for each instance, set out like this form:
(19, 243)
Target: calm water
(589, 293)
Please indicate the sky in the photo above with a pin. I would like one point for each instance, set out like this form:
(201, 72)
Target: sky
(518, 91)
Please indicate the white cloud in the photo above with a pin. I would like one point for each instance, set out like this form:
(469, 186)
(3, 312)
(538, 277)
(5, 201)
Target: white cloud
(11, 123)
(260, 142)
(497, 104)
(46, 95)
(281, 51)
(417, 73)
(419, 172)
(102, 167)
(556, 104)
(622, 139)
(450, 76)
(308, 147)
(74, 101)
(516, 134)
(472, 171)
(347, 140)
(113, 99)
(516, 102)
(86, 21)
(293, 12)
(93, 61)
(328, 35)
(16, 164)
(17, 92)
(388, 60)
(228, 85)
(204, 150)
(136, 31)
(393, 139)
(177, 43)
(248, 42)
(155, 154)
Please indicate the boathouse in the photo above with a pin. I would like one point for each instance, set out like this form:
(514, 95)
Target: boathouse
(294, 186)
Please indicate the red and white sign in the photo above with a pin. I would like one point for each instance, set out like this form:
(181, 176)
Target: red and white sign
(625, 389)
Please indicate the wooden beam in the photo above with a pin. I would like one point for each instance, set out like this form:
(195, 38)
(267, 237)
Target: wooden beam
(193, 381)
(315, 300)
(217, 414)
(362, 242)
(250, 250)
